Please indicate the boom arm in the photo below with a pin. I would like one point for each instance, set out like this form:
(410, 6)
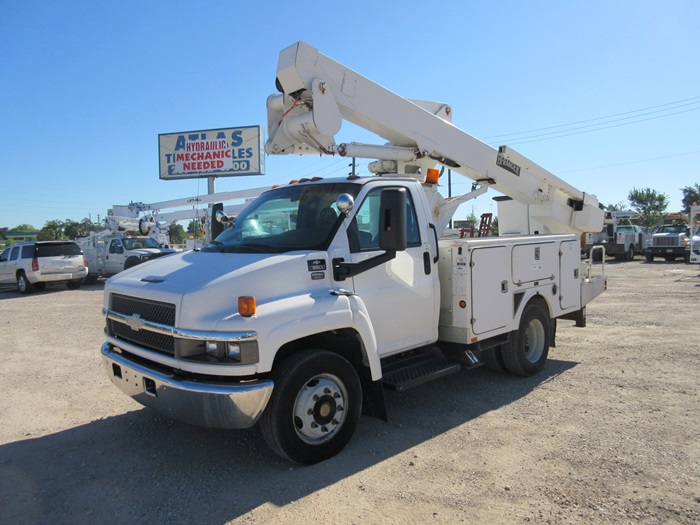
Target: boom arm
(318, 93)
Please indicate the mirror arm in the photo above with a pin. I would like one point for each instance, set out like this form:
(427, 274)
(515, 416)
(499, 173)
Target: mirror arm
(344, 270)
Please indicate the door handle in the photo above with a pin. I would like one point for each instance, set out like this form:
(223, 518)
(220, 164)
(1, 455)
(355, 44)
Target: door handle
(437, 254)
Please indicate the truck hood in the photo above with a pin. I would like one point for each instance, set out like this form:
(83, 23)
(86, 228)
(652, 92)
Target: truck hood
(205, 286)
(145, 251)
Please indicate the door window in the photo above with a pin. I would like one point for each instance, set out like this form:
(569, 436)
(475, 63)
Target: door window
(364, 230)
(116, 246)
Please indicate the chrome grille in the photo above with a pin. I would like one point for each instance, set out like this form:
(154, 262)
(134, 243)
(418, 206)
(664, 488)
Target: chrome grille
(157, 312)
(665, 241)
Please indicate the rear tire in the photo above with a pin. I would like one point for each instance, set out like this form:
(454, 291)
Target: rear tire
(23, 284)
(493, 359)
(74, 285)
(314, 408)
(527, 350)
(630, 253)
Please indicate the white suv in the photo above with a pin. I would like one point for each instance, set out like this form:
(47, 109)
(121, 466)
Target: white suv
(36, 264)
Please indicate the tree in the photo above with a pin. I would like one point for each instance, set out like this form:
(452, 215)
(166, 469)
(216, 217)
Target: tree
(73, 229)
(52, 231)
(22, 228)
(177, 234)
(649, 204)
(195, 228)
(494, 227)
(619, 206)
(691, 194)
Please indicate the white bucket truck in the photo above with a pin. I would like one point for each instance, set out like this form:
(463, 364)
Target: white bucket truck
(620, 237)
(325, 292)
(125, 243)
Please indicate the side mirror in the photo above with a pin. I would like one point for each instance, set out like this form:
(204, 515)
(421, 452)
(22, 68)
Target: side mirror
(345, 203)
(222, 218)
(392, 221)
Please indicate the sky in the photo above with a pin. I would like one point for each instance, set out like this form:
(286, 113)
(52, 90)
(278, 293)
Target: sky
(605, 94)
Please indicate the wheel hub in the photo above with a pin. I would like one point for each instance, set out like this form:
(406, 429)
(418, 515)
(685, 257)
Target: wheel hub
(319, 410)
(534, 341)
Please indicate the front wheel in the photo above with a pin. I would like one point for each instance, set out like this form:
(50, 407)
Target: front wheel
(649, 257)
(526, 352)
(314, 408)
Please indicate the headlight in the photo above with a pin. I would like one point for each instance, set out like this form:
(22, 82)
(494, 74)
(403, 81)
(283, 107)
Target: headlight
(233, 351)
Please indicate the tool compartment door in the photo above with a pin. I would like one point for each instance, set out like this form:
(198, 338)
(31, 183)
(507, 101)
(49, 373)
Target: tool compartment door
(491, 289)
(570, 278)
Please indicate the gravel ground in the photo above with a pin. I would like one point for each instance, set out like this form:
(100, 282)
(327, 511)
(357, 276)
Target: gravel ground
(609, 432)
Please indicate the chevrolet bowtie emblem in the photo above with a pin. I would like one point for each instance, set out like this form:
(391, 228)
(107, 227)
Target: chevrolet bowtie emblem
(135, 322)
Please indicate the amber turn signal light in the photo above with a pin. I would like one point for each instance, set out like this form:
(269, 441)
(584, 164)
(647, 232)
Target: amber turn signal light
(246, 305)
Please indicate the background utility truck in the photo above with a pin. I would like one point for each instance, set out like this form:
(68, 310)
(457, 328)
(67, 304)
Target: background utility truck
(325, 292)
(620, 238)
(670, 240)
(124, 244)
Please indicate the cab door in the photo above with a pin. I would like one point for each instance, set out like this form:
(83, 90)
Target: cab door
(114, 259)
(402, 295)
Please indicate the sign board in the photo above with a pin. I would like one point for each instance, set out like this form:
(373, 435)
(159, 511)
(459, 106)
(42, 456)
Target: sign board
(226, 152)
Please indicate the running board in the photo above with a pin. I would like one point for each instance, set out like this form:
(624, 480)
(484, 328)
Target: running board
(418, 368)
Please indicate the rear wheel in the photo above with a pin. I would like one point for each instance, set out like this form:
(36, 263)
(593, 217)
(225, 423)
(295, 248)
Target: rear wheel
(493, 359)
(75, 284)
(630, 253)
(314, 408)
(527, 350)
(23, 284)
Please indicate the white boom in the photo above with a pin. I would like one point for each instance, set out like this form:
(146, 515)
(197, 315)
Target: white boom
(318, 93)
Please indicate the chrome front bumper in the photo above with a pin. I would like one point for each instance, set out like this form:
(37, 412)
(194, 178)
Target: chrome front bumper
(214, 405)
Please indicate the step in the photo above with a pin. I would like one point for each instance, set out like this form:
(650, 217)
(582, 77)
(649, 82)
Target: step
(415, 370)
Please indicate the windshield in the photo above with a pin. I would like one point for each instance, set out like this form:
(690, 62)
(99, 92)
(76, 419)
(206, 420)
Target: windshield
(140, 242)
(671, 229)
(298, 217)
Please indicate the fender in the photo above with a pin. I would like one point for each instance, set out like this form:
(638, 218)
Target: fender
(305, 314)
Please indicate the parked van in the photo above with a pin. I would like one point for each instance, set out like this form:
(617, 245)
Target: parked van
(35, 264)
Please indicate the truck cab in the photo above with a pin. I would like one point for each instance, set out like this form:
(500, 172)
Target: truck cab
(669, 241)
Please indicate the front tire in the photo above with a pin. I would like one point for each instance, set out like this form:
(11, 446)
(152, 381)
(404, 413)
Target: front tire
(131, 262)
(527, 350)
(649, 257)
(314, 408)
